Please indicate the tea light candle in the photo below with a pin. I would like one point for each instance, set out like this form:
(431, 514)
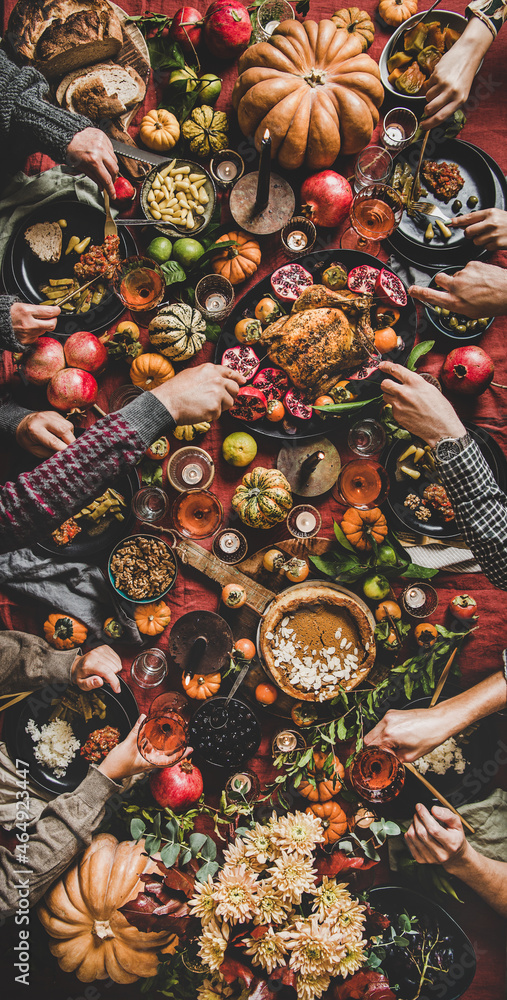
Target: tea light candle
(215, 302)
(270, 27)
(296, 240)
(192, 474)
(306, 521)
(395, 134)
(240, 783)
(229, 542)
(226, 170)
(415, 598)
(286, 741)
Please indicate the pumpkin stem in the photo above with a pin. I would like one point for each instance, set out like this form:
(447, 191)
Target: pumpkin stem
(63, 628)
(102, 929)
(316, 77)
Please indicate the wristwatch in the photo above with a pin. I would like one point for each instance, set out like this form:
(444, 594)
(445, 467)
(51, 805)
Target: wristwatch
(448, 448)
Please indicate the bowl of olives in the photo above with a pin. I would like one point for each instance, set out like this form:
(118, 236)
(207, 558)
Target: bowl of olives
(453, 325)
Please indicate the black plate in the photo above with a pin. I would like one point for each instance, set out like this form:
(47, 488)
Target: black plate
(23, 273)
(437, 322)
(122, 712)
(399, 490)
(395, 899)
(316, 263)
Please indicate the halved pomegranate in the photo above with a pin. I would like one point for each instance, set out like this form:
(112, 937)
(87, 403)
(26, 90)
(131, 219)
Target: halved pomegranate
(273, 382)
(241, 359)
(250, 404)
(367, 369)
(289, 281)
(295, 404)
(362, 279)
(390, 289)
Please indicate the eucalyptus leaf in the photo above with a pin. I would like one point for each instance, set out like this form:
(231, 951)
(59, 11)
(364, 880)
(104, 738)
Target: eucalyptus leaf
(172, 828)
(210, 868)
(169, 854)
(209, 849)
(152, 844)
(196, 842)
(137, 828)
(186, 856)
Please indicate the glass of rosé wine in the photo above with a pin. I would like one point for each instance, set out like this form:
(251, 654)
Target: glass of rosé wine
(375, 213)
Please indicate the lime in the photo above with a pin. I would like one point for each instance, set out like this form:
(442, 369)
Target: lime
(187, 74)
(376, 587)
(187, 251)
(209, 88)
(160, 249)
(387, 555)
(239, 449)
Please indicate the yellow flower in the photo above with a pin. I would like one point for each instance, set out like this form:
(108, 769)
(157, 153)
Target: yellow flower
(268, 950)
(202, 903)
(270, 907)
(292, 876)
(258, 844)
(313, 950)
(351, 961)
(298, 833)
(214, 940)
(309, 987)
(234, 894)
(350, 919)
(329, 897)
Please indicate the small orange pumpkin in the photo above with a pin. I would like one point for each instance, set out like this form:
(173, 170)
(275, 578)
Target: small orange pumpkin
(326, 786)
(201, 686)
(159, 130)
(333, 818)
(395, 12)
(152, 619)
(360, 526)
(239, 262)
(357, 22)
(148, 371)
(64, 632)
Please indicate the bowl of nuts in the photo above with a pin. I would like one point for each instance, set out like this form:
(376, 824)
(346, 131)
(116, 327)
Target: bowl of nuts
(142, 568)
(179, 195)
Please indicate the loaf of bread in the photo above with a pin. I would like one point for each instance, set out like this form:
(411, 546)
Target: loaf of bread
(105, 90)
(58, 36)
(45, 241)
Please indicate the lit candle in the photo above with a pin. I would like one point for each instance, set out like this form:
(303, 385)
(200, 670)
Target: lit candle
(306, 521)
(226, 170)
(262, 197)
(296, 240)
(394, 135)
(415, 598)
(229, 542)
(215, 302)
(192, 474)
(286, 741)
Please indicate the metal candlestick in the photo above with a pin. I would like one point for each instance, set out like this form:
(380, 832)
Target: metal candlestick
(262, 221)
(312, 468)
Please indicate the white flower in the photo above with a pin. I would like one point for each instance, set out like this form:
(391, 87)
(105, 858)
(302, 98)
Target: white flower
(329, 897)
(298, 833)
(292, 876)
(312, 951)
(270, 907)
(234, 894)
(309, 987)
(202, 903)
(258, 844)
(268, 950)
(214, 940)
(351, 961)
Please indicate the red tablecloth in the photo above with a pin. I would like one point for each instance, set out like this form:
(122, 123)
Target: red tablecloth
(485, 110)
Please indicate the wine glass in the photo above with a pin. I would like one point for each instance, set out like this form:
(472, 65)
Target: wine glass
(162, 737)
(376, 212)
(140, 284)
(362, 483)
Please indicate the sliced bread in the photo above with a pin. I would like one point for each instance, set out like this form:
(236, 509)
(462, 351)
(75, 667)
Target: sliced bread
(103, 90)
(45, 241)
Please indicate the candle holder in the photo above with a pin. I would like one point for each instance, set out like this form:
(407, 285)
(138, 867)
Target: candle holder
(214, 296)
(288, 742)
(230, 546)
(304, 521)
(150, 504)
(256, 219)
(226, 168)
(419, 599)
(244, 786)
(311, 468)
(189, 468)
(398, 129)
(298, 236)
(149, 668)
(269, 16)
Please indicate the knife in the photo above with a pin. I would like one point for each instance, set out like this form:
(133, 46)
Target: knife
(133, 153)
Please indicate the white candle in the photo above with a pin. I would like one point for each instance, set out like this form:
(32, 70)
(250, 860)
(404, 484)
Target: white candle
(270, 27)
(226, 170)
(229, 542)
(192, 474)
(286, 741)
(415, 598)
(306, 521)
(215, 302)
(296, 240)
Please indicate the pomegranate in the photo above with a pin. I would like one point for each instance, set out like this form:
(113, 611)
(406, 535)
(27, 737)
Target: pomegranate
(367, 369)
(390, 289)
(250, 404)
(295, 404)
(326, 198)
(362, 279)
(72, 388)
(273, 382)
(177, 787)
(186, 28)
(227, 28)
(124, 191)
(44, 361)
(241, 359)
(468, 370)
(84, 350)
(289, 281)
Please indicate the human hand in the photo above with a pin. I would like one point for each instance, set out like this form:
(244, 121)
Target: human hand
(436, 838)
(487, 228)
(409, 734)
(91, 670)
(29, 321)
(124, 759)
(42, 433)
(419, 406)
(478, 290)
(200, 393)
(450, 83)
(91, 151)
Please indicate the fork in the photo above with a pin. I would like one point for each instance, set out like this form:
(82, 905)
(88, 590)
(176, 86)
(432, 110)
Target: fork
(429, 210)
(110, 227)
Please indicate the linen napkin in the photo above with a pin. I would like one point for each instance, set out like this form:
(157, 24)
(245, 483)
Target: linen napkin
(74, 587)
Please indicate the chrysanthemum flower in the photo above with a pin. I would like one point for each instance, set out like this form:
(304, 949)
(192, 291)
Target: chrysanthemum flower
(349, 918)
(214, 989)
(258, 844)
(351, 961)
(270, 906)
(311, 946)
(268, 950)
(203, 903)
(309, 987)
(214, 940)
(298, 833)
(329, 897)
(292, 876)
(234, 894)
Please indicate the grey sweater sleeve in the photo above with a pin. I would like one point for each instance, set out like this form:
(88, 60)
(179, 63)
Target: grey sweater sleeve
(8, 339)
(28, 662)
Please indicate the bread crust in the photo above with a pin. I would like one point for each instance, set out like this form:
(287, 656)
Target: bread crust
(57, 36)
(84, 90)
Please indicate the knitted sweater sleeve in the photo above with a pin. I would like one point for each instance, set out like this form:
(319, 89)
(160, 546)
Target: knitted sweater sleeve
(39, 501)
(28, 122)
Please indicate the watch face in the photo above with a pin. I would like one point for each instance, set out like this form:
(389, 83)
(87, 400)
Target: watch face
(447, 449)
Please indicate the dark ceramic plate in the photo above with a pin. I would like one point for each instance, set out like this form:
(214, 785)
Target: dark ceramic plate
(23, 273)
(316, 263)
(393, 900)
(121, 712)
(400, 490)
(438, 323)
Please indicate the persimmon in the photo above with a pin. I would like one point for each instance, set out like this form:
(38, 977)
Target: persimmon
(246, 648)
(426, 635)
(234, 595)
(266, 694)
(388, 609)
(386, 339)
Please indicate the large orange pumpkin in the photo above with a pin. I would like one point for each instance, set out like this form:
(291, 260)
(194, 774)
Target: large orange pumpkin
(240, 262)
(326, 786)
(313, 88)
(333, 818)
(360, 526)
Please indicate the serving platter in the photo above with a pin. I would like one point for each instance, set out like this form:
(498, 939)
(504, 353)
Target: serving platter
(23, 273)
(315, 263)
(121, 712)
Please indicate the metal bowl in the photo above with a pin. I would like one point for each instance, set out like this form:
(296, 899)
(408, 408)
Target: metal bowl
(167, 229)
(154, 597)
(446, 331)
(447, 18)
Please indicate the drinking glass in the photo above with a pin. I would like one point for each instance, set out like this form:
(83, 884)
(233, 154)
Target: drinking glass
(226, 168)
(150, 504)
(366, 437)
(376, 775)
(140, 284)
(214, 296)
(373, 166)
(362, 483)
(419, 599)
(162, 737)
(298, 236)
(398, 129)
(376, 212)
(269, 15)
(197, 514)
(149, 668)
(304, 521)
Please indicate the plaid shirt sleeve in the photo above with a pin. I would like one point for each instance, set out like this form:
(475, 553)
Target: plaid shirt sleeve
(480, 508)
